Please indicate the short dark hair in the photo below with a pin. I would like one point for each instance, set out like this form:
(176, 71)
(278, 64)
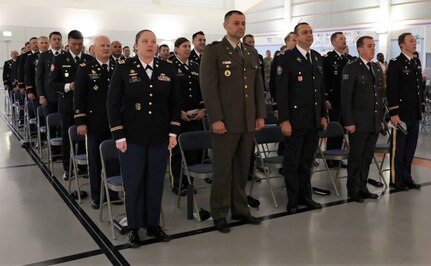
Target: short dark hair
(334, 35)
(32, 38)
(288, 36)
(125, 47)
(75, 34)
(163, 45)
(55, 33)
(402, 38)
(246, 37)
(27, 43)
(230, 13)
(197, 33)
(138, 35)
(180, 41)
(360, 41)
(295, 30)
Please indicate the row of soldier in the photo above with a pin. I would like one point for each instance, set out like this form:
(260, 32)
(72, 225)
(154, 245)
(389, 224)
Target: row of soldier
(304, 87)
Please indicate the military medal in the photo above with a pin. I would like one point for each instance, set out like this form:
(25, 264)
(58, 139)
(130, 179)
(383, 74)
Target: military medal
(227, 73)
(66, 74)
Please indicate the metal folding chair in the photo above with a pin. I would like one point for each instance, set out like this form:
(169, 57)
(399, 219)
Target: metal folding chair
(267, 163)
(41, 129)
(76, 159)
(334, 129)
(193, 141)
(111, 178)
(53, 123)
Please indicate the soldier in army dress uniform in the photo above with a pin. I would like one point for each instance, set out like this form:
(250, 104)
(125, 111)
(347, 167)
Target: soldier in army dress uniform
(192, 105)
(144, 117)
(361, 113)
(406, 103)
(89, 102)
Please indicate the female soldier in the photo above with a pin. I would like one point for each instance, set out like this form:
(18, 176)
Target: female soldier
(144, 115)
(192, 105)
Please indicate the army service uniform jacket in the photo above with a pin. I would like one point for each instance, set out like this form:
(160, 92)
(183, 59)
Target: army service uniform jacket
(300, 90)
(232, 87)
(89, 97)
(333, 65)
(42, 76)
(7, 73)
(188, 80)
(143, 110)
(405, 88)
(361, 103)
(63, 70)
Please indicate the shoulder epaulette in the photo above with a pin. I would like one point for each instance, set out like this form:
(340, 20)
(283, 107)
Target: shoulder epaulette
(354, 60)
(213, 43)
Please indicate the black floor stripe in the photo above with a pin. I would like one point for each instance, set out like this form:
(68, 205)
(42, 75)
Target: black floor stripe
(98, 236)
(17, 166)
(422, 158)
(78, 256)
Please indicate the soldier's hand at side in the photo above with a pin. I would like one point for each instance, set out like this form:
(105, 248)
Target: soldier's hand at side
(382, 125)
(350, 129)
(43, 101)
(260, 123)
(286, 128)
(122, 146)
(72, 85)
(172, 142)
(276, 114)
(324, 122)
(31, 96)
(328, 105)
(218, 127)
(81, 130)
(395, 120)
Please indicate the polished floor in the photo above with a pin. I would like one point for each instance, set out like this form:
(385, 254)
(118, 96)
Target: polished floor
(41, 225)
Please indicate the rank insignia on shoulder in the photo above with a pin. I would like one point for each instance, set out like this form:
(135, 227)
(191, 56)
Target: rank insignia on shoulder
(345, 76)
(353, 61)
(279, 70)
(82, 65)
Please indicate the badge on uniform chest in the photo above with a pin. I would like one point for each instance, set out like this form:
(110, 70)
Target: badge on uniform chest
(134, 79)
(300, 78)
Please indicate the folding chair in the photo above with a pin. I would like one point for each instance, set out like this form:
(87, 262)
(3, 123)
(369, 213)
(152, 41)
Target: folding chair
(267, 162)
(40, 114)
(334, 129)
(53, 121)
(76, 159)
(30, 121)
(206, 123)
(193, 141)
(111, 178)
